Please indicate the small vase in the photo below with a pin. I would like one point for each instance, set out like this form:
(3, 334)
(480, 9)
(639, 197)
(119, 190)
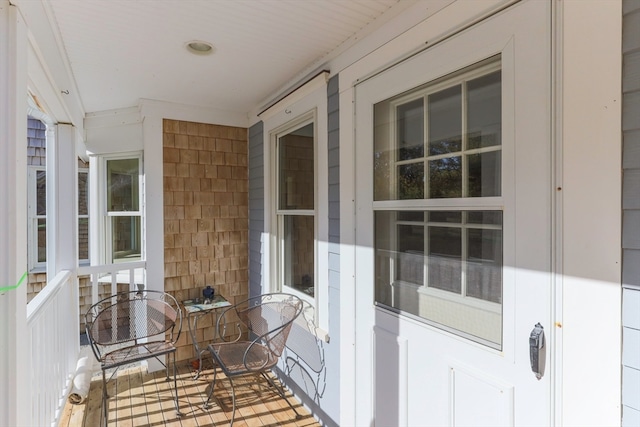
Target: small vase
(207, 293)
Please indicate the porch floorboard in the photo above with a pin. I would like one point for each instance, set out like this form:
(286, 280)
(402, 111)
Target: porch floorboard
(139, 398)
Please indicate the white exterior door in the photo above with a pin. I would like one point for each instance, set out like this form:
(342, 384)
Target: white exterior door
(454, 229)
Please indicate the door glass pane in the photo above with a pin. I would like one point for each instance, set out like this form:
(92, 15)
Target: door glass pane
(484, 174)
(445, 258)
(410, 261)
(126, 238)
(411, 130)
(411, 181)
(484, 264)
(296, 169)
(445, 177)
(445, 121)
(484, 110)
(462, 253)
(298, 252)
(122, 185)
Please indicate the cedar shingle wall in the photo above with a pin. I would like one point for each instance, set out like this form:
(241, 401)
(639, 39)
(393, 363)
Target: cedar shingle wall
(206, 222)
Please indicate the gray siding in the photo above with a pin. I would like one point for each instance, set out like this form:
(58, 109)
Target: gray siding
(331, 399)
(631, 214)
(256, 207)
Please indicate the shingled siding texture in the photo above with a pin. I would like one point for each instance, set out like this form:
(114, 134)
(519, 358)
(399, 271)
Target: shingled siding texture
(631, 214)
(206, 225)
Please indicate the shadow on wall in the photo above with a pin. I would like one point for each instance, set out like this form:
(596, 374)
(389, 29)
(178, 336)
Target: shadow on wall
(304, 356)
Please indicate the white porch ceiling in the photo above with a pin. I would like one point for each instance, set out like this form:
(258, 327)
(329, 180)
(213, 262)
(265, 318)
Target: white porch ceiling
(120, 51)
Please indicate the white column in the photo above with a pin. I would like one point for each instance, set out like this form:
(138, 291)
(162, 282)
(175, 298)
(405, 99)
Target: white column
(14, 348)
(62, 205)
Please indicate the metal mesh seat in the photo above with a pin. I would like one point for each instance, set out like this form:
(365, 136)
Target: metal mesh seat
(130, 327)
(266, 320)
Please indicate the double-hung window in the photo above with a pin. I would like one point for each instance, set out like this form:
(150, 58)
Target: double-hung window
(123, 209)
(296, 212)
(37, 211)
(438, 204)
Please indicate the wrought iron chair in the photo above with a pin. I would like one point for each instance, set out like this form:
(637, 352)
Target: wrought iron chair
(131, 327)
(267, 319)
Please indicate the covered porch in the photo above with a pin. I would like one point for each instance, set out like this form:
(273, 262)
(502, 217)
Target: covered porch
(140, 398)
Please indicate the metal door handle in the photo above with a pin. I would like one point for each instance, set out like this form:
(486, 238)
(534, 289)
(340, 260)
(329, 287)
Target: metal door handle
(537, 350)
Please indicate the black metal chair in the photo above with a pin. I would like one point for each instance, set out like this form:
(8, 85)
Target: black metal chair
(131, 327)
(267, 319)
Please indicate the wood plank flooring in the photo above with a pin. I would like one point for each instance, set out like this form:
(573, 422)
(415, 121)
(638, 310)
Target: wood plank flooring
(139, 398)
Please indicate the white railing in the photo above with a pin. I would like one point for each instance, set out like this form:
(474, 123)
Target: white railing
(52, 326)
(131, 273)
(53, 330)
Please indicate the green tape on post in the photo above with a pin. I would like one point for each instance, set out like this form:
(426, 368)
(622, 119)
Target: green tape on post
(17, 285)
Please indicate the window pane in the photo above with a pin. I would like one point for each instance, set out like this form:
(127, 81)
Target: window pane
(445, 178)
(410, 262)
(445, 258)
(411, 130)
(445, 216)
(126, 238)
(484, 110)
(415, 216)
(445, 121)
(42, 239)
(83, 238)
(83, 193)
(411, 181)
(298, 251)
(41, 192)
(122, 185)
(296, 169)
(484, 265)
(485, 173)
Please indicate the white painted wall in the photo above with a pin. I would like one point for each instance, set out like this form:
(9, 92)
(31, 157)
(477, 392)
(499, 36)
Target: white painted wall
(589, 211)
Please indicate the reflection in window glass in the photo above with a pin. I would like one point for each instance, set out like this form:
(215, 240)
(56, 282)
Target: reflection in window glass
(299, 266)
(41, 192)
(483, 111)
(296, 163)
(411, 181)
(411, 130)
(122, 183)
(438, 257)
(445, 178)
(126, 238)
(42, 240)
(445, 121)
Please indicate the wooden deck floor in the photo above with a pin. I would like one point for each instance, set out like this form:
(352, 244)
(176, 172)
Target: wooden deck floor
(138, 398)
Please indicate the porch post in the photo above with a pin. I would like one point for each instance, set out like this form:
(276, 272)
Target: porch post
(62, 205)
(14, 348)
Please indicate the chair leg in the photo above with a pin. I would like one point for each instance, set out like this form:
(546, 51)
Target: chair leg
(233, 401)
(281, 393)
(213, 385)
(175, 384)
(105, 410)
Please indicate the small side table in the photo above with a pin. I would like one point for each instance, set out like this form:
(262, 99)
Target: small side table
(195, 310)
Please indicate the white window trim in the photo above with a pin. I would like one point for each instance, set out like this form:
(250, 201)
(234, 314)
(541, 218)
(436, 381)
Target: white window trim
(309, 101)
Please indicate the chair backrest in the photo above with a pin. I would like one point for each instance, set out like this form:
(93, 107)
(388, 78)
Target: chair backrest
(269, 318)
(131, 316)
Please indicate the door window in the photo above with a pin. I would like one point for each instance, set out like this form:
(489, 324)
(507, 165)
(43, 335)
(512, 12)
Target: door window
(437, 203)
